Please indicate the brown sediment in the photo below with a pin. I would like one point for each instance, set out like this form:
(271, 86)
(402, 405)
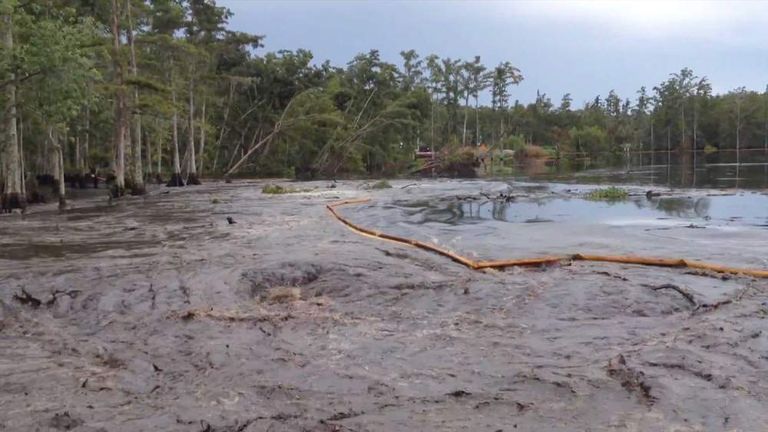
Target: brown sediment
(159, 315)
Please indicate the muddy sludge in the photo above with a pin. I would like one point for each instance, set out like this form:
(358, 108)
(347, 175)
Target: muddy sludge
(379, 338)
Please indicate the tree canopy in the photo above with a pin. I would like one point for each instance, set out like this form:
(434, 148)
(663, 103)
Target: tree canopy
(142, 89)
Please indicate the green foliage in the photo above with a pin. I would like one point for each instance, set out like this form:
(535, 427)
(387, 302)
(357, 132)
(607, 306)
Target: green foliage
(53, 48)
(142, 83)
(296, 117)
(381, 184)
(513, 142)
(590, 139)
(611, 193)
(274, 189)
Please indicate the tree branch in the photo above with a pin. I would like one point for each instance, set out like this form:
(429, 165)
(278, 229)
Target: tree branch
(5, 83)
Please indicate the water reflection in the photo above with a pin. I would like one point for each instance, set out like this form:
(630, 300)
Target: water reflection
(746, 209)
(678, 207)
(717, 170)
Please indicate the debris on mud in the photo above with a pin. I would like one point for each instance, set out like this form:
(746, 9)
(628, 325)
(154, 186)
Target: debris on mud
(27, 299)
(231, 316)
(236, 427)
(710, 273)
(708, 307)
(343, 415)
(501, 197)
(64, 421)
(283, 294)
(633, 381)
(381, 184)
(687, 294)
(612, 275)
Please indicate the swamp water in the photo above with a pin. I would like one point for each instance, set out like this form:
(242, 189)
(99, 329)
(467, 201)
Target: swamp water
(712, 171)
(555, 219)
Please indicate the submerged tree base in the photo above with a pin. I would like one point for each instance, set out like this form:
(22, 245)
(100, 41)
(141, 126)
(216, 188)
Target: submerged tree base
(192, 180)
(138, 190)
(175, 181)
(62, 203)
(135, 188)
(116, 192)
(14, 200)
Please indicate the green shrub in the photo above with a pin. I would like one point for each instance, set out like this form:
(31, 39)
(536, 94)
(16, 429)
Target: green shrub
(513, 142)
(709, 149)
(591, 139)
(381, 184)
(274, 189)
(612, 193)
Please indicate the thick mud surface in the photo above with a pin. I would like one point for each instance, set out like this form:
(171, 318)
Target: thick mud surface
(157, 314)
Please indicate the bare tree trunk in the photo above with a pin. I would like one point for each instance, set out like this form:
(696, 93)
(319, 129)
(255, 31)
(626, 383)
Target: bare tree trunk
(150, 169)
(466, 114)
(216, 159)
(137, 188)
(62, 183)
(159, 157)
(669, 153)
(738, 133)
(432, 132)
(21, 155)
(184, 163)
(192, 167)
(682, 126)
(202, 137)
(501, 123)
(224, 124)
(78, 164)
(695, 137)
(57, 165)
(53, 157)
(118, 135)
(477, 121)
(653, 154)
(176, 179)
(86, 165)
(13, 196)
(432, 127)
(2, 158)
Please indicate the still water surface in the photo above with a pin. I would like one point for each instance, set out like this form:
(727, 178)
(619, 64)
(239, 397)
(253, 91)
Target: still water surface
(742, 209)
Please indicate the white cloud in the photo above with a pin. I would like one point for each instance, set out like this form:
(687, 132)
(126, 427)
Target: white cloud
(711, 20)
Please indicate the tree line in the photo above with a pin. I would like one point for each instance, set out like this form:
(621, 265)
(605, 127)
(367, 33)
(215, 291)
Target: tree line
(134, 91)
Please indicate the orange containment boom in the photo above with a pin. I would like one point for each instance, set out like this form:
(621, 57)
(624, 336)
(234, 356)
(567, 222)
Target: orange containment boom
(479, 265)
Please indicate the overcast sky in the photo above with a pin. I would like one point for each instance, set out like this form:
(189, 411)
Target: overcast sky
(584, 48)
